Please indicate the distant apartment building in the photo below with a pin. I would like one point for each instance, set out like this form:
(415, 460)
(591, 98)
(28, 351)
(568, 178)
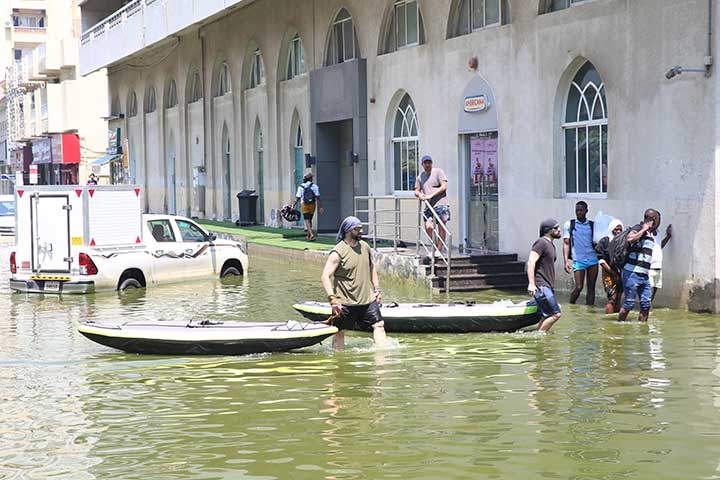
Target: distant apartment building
(528, 105)
(51, 118)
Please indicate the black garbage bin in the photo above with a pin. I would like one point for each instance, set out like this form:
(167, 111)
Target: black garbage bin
(247, 202)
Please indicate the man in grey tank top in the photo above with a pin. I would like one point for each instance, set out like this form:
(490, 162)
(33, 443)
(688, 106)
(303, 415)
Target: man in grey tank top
(351, 283)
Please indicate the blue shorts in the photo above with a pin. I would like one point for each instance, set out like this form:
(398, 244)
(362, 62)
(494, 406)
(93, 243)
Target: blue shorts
(443, 211)
(545, 301)
(636, 285)
(583, 265)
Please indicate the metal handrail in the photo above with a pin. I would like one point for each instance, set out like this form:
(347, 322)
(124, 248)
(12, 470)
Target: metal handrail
(424, 205)
(418, 224)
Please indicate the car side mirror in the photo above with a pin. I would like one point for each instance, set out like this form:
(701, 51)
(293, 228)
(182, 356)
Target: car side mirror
(212, 237)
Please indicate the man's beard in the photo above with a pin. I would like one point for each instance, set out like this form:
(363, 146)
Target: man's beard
(356, 236)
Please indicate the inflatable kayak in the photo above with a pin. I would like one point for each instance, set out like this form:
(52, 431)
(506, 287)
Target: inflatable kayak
(206, 337)
(501, 316)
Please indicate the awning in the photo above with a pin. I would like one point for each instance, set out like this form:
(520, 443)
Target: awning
(106, 159)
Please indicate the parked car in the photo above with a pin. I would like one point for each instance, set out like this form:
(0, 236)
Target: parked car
(7, 214)
(82, 239)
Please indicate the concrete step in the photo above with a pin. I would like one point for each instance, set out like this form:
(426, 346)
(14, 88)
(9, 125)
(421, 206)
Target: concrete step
(470, 269)
(483, 281)
(477, 259)
(518, 288)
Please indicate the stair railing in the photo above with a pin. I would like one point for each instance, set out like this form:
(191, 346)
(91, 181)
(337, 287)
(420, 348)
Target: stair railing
(393, 220)
(445, 240)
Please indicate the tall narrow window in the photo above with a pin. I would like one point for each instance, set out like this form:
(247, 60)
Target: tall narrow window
(132, 109)
(476, 14)
(343, 44)
(115, 106)
(298, 138)
(150, 101)
(586, 134)
(406, 23)
(223, 84)
(405, 145)
(195, 88)
(296, 58)
(260, 169)
(257, 73)
(171, 100)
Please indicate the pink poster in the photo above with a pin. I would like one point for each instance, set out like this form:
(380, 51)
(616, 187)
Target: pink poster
(483, 160)
(477, 169)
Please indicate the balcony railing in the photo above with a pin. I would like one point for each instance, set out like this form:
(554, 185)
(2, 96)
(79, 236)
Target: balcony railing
(132, 29)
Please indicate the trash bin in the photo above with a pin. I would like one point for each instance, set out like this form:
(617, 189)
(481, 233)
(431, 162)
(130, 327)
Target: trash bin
(247, 202)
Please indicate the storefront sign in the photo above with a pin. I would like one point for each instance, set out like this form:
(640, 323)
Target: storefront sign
(65, 148)
(475, 104)
(114, 145)
(33, 174)
(42, 151)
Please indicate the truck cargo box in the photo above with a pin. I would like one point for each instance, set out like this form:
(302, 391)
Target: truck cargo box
(52, 220)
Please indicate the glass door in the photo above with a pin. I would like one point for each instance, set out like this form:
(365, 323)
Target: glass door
(481, 167)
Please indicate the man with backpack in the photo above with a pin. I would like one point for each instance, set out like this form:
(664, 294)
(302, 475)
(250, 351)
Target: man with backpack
(308, 194)
(579, 247)
(635, 273)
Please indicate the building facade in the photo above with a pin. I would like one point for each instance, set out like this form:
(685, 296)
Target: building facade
(52, 126)
(527, 105)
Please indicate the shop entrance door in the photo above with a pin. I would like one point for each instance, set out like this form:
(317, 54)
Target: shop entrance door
(481, 171)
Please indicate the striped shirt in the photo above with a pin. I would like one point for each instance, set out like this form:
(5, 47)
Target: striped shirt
(640, 253)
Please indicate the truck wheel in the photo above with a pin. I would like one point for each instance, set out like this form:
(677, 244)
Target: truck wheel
(230, 271)
(129, 283)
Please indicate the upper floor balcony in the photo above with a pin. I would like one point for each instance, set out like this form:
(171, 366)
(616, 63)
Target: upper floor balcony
(24, 37)
(139, 25)
(51, 58)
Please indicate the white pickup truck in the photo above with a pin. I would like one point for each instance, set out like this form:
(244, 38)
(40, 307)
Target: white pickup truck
(81, 239)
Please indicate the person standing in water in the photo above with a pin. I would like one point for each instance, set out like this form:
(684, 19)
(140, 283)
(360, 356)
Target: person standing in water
(351, 283)
(541, 274)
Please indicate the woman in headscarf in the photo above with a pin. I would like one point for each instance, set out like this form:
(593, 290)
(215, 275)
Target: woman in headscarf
(612, 280)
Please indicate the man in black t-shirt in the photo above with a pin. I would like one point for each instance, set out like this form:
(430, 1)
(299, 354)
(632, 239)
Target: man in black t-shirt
(541, 273)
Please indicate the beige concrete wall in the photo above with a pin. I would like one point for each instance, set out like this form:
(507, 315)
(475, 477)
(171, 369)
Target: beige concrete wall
(662, 133)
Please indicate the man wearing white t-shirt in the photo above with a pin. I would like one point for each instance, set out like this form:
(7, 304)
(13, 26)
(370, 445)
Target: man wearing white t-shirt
(655, 273)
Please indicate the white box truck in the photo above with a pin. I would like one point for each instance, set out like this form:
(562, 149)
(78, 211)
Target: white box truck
(80, 239)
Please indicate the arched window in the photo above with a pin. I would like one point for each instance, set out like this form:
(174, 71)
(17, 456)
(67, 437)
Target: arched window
(150, 101)
(132, 109)
(257, 72)
(343, 44)
(473, 15)
(586, 131)
(405, 27)
(405, 145)
(223, 81)
(195, 88)
(296, 58)
(171, 96)
(547, 6)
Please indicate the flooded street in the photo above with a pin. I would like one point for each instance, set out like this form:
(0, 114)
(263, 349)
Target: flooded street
(593, 400)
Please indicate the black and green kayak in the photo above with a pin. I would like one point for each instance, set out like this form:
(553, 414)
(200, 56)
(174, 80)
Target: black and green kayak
(206, 337)
(501, 316)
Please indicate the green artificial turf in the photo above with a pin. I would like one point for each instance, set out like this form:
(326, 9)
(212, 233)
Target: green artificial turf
(278, 237)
